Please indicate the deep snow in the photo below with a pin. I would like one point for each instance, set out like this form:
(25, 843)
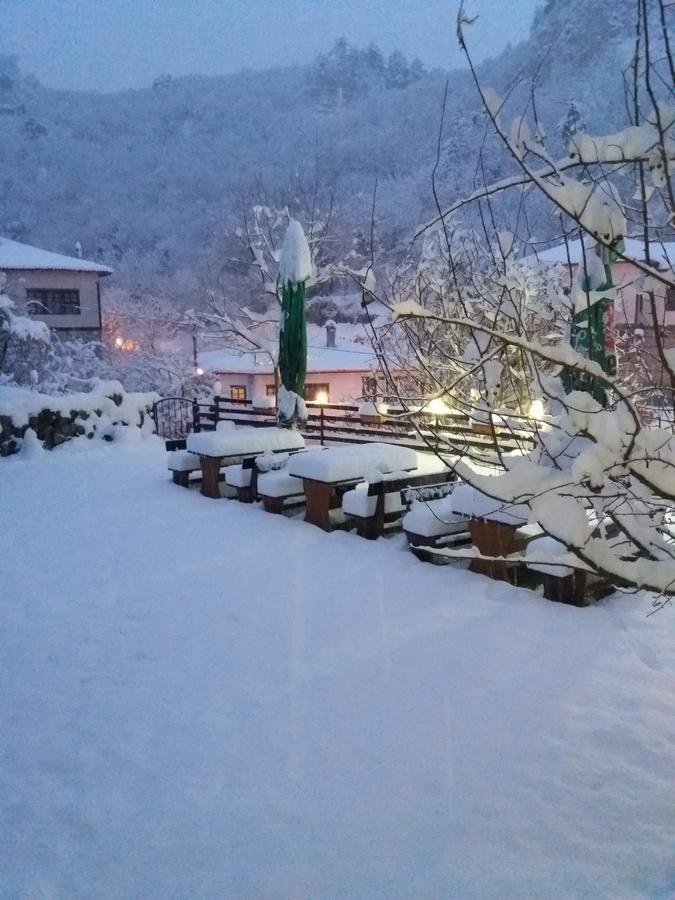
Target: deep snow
(199, 699)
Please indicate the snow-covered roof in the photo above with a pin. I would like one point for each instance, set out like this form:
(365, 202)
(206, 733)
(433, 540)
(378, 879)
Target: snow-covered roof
(344, 357)
(14, 255)
(662, 254)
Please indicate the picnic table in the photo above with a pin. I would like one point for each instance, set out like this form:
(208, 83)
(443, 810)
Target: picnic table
(495, 527)
(328, 474)
(215, 448)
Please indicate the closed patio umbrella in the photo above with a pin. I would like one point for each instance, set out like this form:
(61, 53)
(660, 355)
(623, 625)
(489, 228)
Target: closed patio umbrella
(295, 269)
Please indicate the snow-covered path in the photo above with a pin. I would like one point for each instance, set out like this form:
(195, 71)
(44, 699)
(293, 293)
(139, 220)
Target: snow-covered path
(198, 699)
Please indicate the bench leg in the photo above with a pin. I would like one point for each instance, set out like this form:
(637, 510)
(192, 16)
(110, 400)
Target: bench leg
(491, 539)
(273, 504)
(210, 477)
(246, 494)
(182, 479)
(569, 589)
(369, 528)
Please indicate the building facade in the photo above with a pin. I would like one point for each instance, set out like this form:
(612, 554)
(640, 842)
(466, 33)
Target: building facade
(337, 371)
(64, 292)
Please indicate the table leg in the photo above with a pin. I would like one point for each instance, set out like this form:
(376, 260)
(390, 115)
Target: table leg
(318, 498)
(492, 539)
(210, 476)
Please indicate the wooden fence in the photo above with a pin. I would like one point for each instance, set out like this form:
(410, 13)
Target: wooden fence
(335, 423)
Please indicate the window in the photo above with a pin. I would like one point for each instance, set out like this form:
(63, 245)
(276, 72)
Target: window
(670, 299)
(271, 390)
(312, 392)
(53, 302)
(238, 392)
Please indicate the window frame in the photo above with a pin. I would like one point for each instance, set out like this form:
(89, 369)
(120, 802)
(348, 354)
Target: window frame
(53, 302)
(238, 387)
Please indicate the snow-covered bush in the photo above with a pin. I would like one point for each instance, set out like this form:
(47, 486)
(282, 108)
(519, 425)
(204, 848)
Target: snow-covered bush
(23, 341)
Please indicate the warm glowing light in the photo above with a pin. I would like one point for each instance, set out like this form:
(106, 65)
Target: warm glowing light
(125, 344)
(199, 370)
(436, 407)
(536, 409)
(321, 397)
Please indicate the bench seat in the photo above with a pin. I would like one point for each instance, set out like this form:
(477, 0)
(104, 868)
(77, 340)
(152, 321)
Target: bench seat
(359, 504)
(182, 461)
(428, 522)
(237, 476)
(181, 464)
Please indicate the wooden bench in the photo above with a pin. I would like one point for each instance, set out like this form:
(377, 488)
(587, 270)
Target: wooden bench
(384, 503)
(431, 524)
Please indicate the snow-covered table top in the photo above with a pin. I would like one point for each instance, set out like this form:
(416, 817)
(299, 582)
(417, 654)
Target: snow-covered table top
(339, 464)
(243, 441)
(550, 557)
(467, 501)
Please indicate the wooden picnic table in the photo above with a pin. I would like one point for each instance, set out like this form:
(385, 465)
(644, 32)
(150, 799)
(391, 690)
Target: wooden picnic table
(495, 529)
(327, 475)
(215, 448)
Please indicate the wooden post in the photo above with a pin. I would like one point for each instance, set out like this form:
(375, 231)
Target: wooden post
(321, 433)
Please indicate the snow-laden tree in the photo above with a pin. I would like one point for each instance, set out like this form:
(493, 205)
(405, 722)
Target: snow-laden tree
(595, 477)
(24, 342)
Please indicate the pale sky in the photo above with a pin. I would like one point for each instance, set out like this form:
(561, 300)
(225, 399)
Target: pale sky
(110, 45)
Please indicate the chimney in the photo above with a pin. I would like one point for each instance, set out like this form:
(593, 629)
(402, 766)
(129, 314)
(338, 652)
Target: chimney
(330, 333)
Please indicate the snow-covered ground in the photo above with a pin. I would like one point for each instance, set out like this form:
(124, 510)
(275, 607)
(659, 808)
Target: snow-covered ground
(198, 699)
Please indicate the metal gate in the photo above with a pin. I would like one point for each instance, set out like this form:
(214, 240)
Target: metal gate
(174, 419)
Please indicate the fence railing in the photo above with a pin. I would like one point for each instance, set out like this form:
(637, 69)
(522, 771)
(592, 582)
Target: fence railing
(336, 423)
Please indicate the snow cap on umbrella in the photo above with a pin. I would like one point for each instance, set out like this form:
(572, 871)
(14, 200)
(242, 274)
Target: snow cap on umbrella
(295, 259)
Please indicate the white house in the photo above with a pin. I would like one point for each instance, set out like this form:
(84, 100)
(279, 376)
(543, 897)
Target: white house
(62, 291)
(337, 370)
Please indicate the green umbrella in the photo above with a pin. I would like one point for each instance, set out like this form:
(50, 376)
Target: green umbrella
(295, 268)
(593, 334)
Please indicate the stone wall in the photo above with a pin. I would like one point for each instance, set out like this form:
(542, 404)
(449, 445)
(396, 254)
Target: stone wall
(55, 426)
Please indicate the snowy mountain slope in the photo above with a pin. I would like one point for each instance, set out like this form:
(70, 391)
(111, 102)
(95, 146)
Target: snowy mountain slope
(149, 180)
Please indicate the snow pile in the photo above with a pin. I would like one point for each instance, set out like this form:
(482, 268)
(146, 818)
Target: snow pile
(269, 462)
(295, 258)
(291, 407)
(372, 408)
(243, 441)
(351, 463)
(263, 401)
